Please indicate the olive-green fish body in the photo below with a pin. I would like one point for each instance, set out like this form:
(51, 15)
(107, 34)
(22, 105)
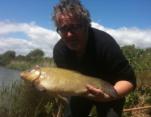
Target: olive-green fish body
(58, 81)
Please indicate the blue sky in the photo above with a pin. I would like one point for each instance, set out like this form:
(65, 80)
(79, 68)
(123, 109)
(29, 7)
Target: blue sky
(110, 13)
(23, 22)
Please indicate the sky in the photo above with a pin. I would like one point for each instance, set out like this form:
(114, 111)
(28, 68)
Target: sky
(27, 24)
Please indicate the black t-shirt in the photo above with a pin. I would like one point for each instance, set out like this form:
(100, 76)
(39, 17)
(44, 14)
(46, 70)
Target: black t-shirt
(103, 58)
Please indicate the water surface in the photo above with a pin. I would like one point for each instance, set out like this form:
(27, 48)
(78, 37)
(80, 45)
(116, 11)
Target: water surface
(7, 76)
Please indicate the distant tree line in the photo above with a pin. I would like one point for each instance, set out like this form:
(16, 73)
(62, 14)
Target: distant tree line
(36, 56)
(140, 59)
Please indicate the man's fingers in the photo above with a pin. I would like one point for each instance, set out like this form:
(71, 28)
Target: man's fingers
(93, 90)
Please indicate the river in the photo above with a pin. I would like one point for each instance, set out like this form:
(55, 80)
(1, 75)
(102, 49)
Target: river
(7, 76)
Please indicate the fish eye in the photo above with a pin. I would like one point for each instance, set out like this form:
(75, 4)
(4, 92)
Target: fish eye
(37, 72)
(32, 71)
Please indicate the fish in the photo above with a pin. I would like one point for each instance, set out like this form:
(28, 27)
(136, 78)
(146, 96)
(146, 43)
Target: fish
(63, 82)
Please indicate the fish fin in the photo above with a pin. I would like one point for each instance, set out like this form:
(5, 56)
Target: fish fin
(40, 87)
(110, 90)
(60, 107)
(63, 98)
(59, 113)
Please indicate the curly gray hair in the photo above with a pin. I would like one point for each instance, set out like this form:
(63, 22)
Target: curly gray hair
(73, 7)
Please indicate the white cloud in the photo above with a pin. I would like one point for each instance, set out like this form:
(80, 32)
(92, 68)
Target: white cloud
(35, 36)
(141, 38)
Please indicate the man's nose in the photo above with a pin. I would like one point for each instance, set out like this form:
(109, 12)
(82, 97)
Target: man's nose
(69, 33)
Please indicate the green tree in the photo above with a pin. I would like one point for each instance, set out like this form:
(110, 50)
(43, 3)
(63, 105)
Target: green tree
(133, 55)
(35, 54)
(7, 57)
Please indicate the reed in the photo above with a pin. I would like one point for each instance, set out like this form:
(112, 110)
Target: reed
(22, 100)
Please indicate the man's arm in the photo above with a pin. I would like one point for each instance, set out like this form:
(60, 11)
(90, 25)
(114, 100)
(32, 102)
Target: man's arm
(122, 88)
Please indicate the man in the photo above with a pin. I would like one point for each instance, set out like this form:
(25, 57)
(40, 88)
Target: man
(91, 52)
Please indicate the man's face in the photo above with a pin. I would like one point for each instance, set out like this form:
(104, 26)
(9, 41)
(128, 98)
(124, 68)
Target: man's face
(72, 32)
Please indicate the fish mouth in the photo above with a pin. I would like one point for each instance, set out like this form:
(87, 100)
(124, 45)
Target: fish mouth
(30, 76)
(24, 75)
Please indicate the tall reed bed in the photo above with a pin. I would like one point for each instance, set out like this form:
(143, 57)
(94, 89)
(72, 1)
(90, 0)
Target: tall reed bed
(22, 100)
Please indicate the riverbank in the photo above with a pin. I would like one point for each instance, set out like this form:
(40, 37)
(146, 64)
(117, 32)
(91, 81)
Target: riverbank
(27, 64)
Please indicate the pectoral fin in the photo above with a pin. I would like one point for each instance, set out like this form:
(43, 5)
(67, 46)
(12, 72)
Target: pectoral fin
(39, 87)
(64, 99)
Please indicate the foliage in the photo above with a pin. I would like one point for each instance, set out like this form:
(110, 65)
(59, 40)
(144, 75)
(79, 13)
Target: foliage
(7, 57)
(22, 100)
(25, 101)
(138, 58)
(132, 99)
(21, 62)
(37, 53)
(139, 98)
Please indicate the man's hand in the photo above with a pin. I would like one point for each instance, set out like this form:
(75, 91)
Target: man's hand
(97, 94)
(122, 88)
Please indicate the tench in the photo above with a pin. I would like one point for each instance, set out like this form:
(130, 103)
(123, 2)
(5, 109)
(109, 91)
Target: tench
(59, 81)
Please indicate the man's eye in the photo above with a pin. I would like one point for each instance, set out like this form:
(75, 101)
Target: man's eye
(64, 28)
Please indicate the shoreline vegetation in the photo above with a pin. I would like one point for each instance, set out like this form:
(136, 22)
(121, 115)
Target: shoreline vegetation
(22, 100)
